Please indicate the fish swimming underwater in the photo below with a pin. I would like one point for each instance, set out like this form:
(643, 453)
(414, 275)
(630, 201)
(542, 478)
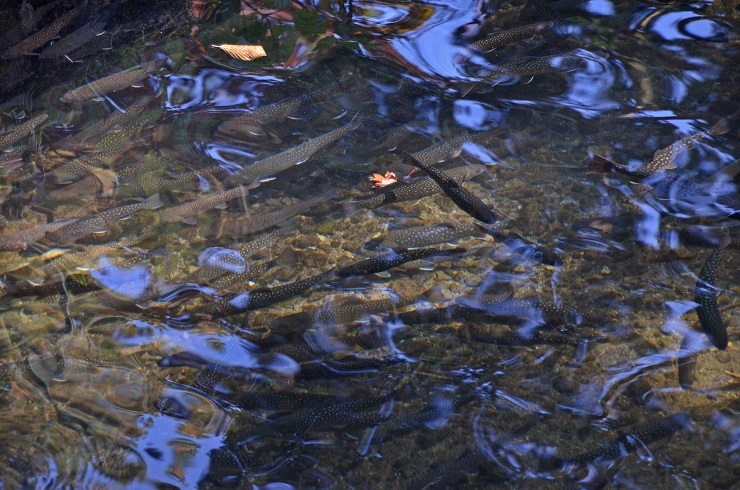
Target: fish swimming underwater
(708, 310)
(665, 158)
(463, 198)
(114, 82)
(267, 168)
(383, 262)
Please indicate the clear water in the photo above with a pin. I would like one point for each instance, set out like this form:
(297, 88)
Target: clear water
(129, 360)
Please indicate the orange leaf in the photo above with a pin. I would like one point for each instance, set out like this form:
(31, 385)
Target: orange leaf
(242, 51)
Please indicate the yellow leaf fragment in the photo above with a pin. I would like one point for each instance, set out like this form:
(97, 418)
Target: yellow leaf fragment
(242, 51)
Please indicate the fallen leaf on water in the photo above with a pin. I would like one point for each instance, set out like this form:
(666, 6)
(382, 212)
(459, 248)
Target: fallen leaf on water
(383, 180)
(242, 51)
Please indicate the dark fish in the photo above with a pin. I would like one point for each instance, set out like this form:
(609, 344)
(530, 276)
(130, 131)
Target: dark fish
(537, 312)
(448, 148)
(708, 311)
(321, 418)
(113, 83)
(558, 63)
(383, 262)
(665, 158)
(98, 222)
(186, 212)
(100, 182)
(635, 439)
(349, 365)
(267, 168)
(20, 131)
(434, 414)
(424, 236)
(497, 336)
(236, 303)
(450, 473)
(505, 38)
(463, 198)
(691, 344)
(43, 35)
(78, 38)
(410, 192)
(283, 401)
(443, 314)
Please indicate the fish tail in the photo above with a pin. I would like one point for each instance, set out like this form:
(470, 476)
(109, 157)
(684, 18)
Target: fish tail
(153, 202)
(601, 164)
(722, 127)
(350, 208)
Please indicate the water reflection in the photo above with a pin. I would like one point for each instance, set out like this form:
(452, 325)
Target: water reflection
(341, 319)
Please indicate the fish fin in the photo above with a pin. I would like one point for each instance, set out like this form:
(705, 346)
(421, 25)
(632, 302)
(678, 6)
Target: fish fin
(350, 208)
(153, 202)
(601, 164)
(287, 257)
(190, 220)
(288, 226)
(722, 127)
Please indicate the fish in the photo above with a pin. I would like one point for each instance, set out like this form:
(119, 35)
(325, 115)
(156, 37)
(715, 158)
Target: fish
(98, 222)
(186, 180)
(252, 122)
(542, 312)
(80, 37)
(463, 198)
(21, 130)
(386, 261)
(448, 148)
(100, 182)
(267, 168)
(263, 220)
(425, 236)
(435, 414)
(98, 129)
(77, 283)
(43, 35)
(489, 335)
(20, 240)
(691, 344)
(235, 303)
(450, 473)
(330, 415)
(410, 192)
(529, 67)
(665, 158)
(186, 212)
(708, 312)
(282, 401)
(249, 123)
(637, 438)
(114, 82)
(505, 38)
(331, 313)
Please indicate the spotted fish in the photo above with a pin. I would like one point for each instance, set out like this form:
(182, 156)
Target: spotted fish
(386, 261)
(20, 131)
(98, 222)
(186, 212)
(233, 304)
(329, 415)
(505, 38)
(267, 168)
(708, 311)
(425, 236)
(410, 192)
(665, 158)
(256, 222)
(463, 198)
(635, 439)
(79, 37)
(531, 67)
(20, 240)
(113, 83)
(43, 35)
